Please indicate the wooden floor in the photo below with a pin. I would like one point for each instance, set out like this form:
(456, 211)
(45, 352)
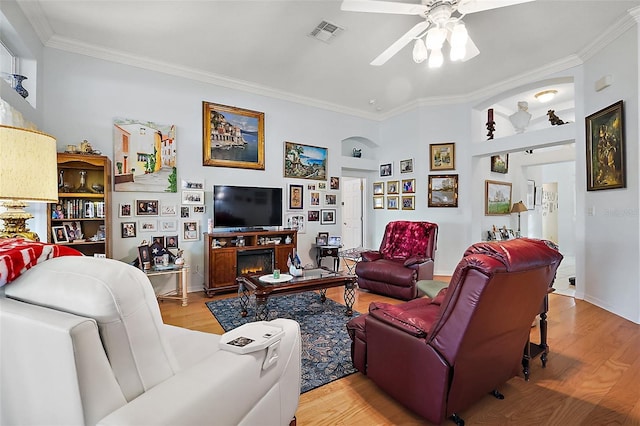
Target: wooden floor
(592, 375)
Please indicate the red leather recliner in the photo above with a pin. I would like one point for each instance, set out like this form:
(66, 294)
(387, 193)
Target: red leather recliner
(405, 256)
(439, 356)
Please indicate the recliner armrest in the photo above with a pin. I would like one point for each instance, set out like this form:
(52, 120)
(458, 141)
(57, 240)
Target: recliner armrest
(401, 318)
(370, 256)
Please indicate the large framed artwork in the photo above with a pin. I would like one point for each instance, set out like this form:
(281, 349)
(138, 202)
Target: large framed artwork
(497, 198)
(144, 156)
(443, 191)
(606, 148)
(305, 161)
(442, 156)
(232, 137)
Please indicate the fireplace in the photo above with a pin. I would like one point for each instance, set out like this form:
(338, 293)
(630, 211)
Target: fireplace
(255, 261)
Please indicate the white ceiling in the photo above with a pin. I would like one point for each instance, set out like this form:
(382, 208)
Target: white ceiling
(264, 46)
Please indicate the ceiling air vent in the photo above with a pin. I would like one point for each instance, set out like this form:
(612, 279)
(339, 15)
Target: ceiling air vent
(325, 31)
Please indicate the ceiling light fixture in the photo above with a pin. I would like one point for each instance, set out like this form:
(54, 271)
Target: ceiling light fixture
(545, 95)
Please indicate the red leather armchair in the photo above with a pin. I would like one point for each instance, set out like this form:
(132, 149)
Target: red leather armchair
(439, 356)
(405, 256)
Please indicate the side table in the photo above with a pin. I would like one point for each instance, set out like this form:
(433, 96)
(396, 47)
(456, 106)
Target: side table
(532, 350)
(182, 281)
(328, 251)
(354, 255)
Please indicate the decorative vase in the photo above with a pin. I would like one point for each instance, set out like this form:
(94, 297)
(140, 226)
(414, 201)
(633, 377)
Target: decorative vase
(17, 78)
(357, 153)
(520, 119)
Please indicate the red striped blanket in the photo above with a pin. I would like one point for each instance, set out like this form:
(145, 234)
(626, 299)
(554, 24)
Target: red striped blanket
(17, 255)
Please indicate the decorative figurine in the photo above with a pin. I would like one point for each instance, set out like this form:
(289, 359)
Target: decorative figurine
(179, 259)
(554, 119)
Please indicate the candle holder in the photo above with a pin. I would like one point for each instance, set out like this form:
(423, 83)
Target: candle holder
(491, 125)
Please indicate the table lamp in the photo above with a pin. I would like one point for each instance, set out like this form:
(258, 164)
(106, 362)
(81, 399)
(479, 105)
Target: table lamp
(28, 172)
(518, 207)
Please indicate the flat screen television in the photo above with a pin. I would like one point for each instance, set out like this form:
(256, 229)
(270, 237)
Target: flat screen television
(246, 206)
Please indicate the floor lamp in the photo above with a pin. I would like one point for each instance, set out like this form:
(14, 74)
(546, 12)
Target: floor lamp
(28, 172)
(518, 207)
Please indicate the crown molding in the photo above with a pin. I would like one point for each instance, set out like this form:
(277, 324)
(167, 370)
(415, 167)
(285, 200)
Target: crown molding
(623, 25)
(36, 17)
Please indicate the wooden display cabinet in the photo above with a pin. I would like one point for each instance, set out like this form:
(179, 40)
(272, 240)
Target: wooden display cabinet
(84, 199)
(224, 249)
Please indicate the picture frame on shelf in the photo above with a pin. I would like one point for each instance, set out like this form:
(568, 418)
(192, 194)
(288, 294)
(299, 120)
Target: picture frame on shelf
(606, 148)
(497, 198)
(59, 234)
(378, 188)
(327, 216)
(393, 187)
(500, 163)
(128, 229)
(378, 201)
(406, 166)
(321, 241)
(144, 256)
(245, 126)
(296, 197)
(408, 186)
(171, 241)
(146, 207)
(305, 161)
(443, 191)
(386, 170)
(442, 156)
(324, 235)
(393, 202)
(408, 202)
(73, 230)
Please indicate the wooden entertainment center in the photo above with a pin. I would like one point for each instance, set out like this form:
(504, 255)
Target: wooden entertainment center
(223, 249)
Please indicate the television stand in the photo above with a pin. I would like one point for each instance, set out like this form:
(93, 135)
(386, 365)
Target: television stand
(221, 255)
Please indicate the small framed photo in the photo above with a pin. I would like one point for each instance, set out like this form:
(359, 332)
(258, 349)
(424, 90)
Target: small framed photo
(392, 187)
(322, 185)
(124, 210)
(442, 156)
(89, 211)
(295, 197)
(313, 216)
(184, 212)
(386, 170)
(168, 210)
(147, 207)
(128, 229)
(393, 202)
(315, 198)
(500, 163)
(408, 202)
(148, 225)
(73, 230)
(100, 209)
(408, 186)
(324, 235)
(190, 230)
(443, 191)
(168, 226)
(144, 256)
(198, 209)
(328, 217)
(406, 166)
(59, 234)
(330, 199)
(171, 241)
(192, 184)
(334, 182)
(193, 197)
(378, 188)
(378, 201)
(321, 241)
(158, 239)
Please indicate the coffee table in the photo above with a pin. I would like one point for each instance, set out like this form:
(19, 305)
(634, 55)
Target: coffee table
(312, 279)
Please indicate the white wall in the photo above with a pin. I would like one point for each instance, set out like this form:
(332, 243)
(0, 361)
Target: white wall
(86, 94)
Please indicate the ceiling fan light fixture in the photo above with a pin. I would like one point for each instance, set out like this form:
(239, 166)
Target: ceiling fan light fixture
(435, 38)
(545, 95)
(459, 35)
(457, 53)
(420, 52)
(436, 59)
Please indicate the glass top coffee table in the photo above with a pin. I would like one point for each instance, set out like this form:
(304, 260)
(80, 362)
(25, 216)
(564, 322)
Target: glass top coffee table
(312, 279)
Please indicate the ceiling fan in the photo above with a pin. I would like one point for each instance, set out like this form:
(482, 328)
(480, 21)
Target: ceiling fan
(442, 21)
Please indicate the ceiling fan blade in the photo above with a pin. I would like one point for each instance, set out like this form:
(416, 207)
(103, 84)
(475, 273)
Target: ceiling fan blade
(472, 6)
(383, 7)
(471, 50)
(400, 43)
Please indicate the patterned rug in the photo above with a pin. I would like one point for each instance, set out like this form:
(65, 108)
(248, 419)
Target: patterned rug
(326, 346)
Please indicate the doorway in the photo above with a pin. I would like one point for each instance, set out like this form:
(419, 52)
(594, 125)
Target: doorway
(352, 212)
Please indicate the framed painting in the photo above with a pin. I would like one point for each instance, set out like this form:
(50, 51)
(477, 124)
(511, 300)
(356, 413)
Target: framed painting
(378, 201)
(144, 156)
(386, 170)
(393, 202)
(406, 166)
(443, 191)
(392, 187)
(295, 197)
(408, 202)
(304, 161)
(232, 137)
(606, 148)
(497, 198)
(408, 186)
(378, 188)
(327, 216)
(146, 207)
(500, 163)
(442, 156)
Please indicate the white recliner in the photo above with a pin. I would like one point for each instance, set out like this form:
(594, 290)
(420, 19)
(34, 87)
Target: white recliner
(82, 342)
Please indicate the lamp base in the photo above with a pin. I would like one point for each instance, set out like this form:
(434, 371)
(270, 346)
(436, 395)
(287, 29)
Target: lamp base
(15, 221)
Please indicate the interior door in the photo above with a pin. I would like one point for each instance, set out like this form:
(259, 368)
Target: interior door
(550, 211)
(352, 212)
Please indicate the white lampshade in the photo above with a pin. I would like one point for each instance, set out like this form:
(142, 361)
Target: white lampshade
(419, 51)
(436, 59)
(435, 38)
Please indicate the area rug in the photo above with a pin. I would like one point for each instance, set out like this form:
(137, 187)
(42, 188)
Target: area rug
(326, 346)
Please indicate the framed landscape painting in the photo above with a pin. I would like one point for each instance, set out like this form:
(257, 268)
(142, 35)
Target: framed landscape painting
(443, 191)
(500, 163)
(606, 149)
(232, 137)
(497, 198)
(304, 161)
